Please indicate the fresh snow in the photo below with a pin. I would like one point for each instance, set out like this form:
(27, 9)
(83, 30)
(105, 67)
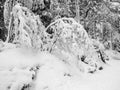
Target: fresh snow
(52, 73)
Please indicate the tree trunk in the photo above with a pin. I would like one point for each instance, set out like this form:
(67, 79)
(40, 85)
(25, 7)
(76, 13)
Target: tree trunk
(77, 18)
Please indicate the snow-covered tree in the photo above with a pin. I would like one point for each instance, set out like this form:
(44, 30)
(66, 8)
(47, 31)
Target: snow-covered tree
(25, 28)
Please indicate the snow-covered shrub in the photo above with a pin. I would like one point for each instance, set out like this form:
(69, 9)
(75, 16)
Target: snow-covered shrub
(25, 28)
(8, 6)
(68, 38)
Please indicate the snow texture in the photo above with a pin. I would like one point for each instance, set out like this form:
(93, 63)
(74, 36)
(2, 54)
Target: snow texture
(26, 70)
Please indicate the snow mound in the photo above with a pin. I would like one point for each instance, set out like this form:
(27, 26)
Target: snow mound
(21, 69)
(16, 79)
(25, 68)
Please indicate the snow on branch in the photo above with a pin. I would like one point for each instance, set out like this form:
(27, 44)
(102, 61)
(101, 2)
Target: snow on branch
(24, 28)
(68, 38)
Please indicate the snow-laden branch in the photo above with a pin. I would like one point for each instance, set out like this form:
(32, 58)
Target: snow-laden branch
(25, 28)
(73, 43)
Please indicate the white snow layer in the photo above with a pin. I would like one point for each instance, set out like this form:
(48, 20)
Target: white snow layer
(17, 69)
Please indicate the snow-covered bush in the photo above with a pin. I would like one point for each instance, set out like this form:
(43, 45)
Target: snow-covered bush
(8, 6)
(68, 38)
(25, 28)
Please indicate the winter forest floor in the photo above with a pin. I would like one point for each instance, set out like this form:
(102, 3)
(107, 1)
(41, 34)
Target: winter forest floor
(52, 74)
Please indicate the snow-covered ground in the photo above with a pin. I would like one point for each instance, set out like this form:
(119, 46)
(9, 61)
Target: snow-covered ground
(21, 69)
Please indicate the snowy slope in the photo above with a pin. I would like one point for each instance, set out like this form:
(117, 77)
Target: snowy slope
(17, 69)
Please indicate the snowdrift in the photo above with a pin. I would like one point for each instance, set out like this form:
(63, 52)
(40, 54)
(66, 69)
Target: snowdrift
(21, 69)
